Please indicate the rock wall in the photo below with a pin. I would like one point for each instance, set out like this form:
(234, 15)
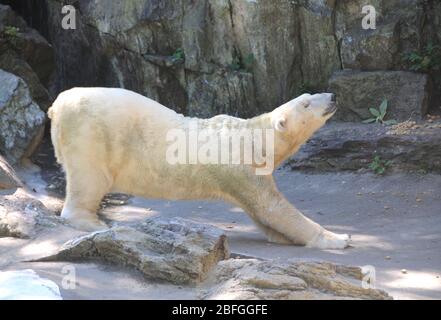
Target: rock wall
(239, 57)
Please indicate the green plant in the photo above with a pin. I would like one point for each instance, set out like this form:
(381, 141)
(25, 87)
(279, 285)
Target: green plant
(429, 59)
(11, 31)
(178, 54)
(379, 166)
(248, 61)
(378, 115)
(242, 63)
(235, 65)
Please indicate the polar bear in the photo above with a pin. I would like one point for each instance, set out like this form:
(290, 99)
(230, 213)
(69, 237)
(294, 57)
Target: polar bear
(115, 140)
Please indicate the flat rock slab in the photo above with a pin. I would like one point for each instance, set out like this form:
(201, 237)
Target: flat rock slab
(264, 279)
(352, 146)
(172, 250)
(357, 91)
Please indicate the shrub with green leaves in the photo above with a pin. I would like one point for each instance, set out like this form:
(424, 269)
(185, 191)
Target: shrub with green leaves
(429, 59)
(379, 166)
(11, 31)
(380, 114)
(248, 61)
(235, 65)
(178, 55)
(242, 64)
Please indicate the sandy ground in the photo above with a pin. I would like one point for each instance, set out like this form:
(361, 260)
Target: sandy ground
(395, 222)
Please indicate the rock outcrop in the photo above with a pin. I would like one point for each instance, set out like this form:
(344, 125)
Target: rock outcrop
(346, 146)
(21, 119)
(172, 250)
(249, 279)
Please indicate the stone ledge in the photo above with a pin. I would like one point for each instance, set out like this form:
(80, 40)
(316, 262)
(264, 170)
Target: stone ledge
(352, 146)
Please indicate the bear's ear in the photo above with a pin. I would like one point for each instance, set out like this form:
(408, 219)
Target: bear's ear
(280, 124)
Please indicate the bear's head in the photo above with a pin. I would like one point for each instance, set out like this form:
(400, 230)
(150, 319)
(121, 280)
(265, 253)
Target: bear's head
(297, 120)
(304, 114)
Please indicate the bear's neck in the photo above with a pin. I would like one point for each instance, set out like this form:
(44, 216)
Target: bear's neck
(263, 122)
(284, 145)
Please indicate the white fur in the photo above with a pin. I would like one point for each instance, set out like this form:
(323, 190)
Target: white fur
(115, 140)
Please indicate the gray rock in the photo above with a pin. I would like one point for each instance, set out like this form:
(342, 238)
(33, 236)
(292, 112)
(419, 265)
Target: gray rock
(21, 120)
(211, 94)
(22, 216)
(8, 177)
(348, 146)
(268, 280)
(320, 55)
(172, 250)
(26, 54)
(398, 30)
(407, 93)
(373, 50)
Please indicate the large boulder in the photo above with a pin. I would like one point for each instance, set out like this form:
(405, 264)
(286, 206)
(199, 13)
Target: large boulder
(172, 250)
(407, 94)
(21, 120)
(249, 279)
(25, 53)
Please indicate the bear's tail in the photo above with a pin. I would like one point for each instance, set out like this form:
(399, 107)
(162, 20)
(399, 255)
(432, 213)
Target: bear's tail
(50, 112)
(55, 132)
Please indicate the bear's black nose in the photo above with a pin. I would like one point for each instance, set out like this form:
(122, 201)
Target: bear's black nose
(333, 97)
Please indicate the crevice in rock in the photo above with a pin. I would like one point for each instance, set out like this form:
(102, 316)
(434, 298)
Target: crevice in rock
(299, 41)
(334, 31)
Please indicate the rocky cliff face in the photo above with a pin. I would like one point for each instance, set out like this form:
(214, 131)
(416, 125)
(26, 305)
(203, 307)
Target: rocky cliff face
(239, 57)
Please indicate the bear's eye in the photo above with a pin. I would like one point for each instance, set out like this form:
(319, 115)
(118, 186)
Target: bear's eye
(306, 105)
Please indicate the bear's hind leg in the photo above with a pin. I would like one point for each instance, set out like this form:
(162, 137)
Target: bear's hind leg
(85, 187)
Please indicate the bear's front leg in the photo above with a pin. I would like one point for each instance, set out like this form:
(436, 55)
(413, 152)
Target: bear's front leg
(271, 234)
(265, 204)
